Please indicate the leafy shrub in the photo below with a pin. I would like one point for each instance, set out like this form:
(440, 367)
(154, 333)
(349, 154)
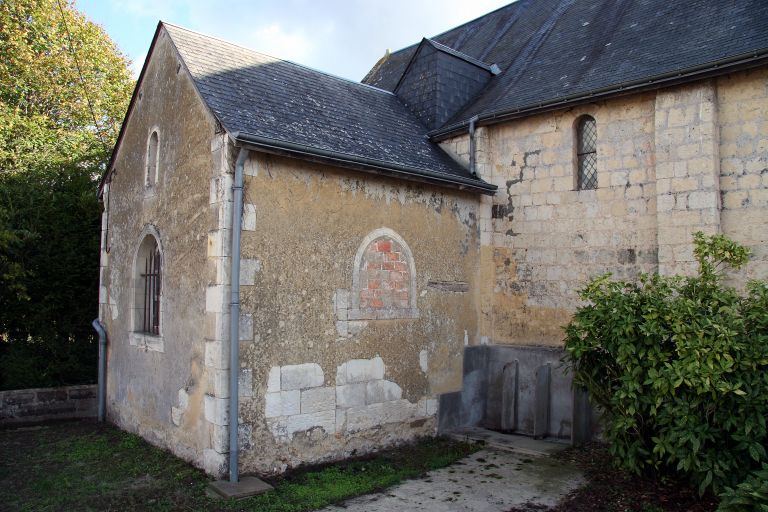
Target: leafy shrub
(49, 271)
(679, 365)
(749, 496)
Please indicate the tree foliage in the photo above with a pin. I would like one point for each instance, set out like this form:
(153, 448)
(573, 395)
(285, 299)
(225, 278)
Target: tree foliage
(64, 88)
(679, 365)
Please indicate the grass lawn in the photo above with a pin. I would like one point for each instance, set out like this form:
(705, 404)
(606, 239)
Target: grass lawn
(87, 466)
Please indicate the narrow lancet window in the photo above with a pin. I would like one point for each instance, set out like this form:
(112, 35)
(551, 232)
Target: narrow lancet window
(586, 153)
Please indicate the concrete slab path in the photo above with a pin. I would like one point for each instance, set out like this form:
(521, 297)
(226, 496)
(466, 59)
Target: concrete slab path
(491, 480)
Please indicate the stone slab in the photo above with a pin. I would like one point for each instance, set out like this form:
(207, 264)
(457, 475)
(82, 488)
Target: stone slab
(247, 486)
(509, 442)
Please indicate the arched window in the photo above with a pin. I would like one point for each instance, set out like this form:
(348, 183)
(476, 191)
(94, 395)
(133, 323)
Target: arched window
(384, 278)
(586, 153)
(148, 287)
(150, 177)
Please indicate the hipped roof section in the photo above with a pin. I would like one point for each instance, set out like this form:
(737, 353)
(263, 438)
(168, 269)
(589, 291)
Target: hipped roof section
(553, 53)
(282, 107)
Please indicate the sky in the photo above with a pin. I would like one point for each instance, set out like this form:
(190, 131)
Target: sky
(342, 37)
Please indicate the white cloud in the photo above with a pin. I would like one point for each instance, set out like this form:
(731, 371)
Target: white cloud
(274, 39)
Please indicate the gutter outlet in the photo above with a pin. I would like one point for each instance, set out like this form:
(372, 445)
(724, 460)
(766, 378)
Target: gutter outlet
(102, 386)
(472, 147)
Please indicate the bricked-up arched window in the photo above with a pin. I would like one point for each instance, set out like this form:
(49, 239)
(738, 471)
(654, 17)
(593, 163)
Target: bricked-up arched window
(148, 286)
(384, 278)
(586, 153)
(150, 176)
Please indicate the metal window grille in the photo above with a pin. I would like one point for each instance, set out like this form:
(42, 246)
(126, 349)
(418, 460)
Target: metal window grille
(152, 278)
(586, 153)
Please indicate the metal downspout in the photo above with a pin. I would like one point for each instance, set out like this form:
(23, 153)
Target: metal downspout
(472, 147)
(102, 386)
(234, 312)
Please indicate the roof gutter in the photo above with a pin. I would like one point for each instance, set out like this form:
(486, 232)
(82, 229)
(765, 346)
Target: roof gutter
(719, 67)
(361, 163)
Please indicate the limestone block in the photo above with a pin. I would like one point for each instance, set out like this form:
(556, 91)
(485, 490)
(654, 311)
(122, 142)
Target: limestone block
(183, 398)
(218, 383)
(341, 299)
(382, 391)
(214, 463)
(176, 415)
(216, 410)
(245, 383)
(318, 399)
(217, 326)
(342, 327)
(220, 438)
(700, 200)
(214, 298)
(217, 354)
(278, 427)
(251, 167)
(249, 217)
(424, 361)
(350, 395)
(369, 416)
(248, 270)
(282, 403)
(273, 380)
(301, 376)
(360, 370)
(341, 420)
(323, 419)
(432, 404)
(218, 243)
(246, 327)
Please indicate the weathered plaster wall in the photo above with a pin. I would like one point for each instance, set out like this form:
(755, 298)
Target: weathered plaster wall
(670, 162)
(155, 385)
(320, 383)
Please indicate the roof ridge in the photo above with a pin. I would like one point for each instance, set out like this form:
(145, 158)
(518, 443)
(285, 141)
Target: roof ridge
(251, 50)
(460, 55)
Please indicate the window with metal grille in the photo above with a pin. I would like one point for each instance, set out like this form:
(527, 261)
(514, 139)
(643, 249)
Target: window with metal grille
(586, 153)
(148, 287)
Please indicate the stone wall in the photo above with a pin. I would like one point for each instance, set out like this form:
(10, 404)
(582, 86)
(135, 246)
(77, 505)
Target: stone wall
(156, 384)
(743, 151)
(356, 374)
(42, 404)
(670, 163)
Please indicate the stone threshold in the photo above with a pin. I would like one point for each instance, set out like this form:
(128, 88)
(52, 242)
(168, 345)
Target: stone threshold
(510, 442)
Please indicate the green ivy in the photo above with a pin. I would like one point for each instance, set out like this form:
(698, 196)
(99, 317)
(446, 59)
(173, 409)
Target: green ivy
(679, 367)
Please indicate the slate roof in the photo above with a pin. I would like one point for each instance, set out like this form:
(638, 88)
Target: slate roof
(553, 50)
(280, 105)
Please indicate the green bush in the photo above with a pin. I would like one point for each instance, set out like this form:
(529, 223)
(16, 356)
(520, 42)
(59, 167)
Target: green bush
(749, 496)
(679, 365)
(49, 271)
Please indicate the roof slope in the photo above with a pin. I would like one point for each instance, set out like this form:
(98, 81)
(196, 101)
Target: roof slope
(551, 49)
(260, 98)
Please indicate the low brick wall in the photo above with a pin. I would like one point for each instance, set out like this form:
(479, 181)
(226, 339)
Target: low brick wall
(42, 404)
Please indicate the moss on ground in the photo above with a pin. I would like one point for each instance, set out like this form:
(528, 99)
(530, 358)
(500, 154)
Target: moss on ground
(86, 466)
